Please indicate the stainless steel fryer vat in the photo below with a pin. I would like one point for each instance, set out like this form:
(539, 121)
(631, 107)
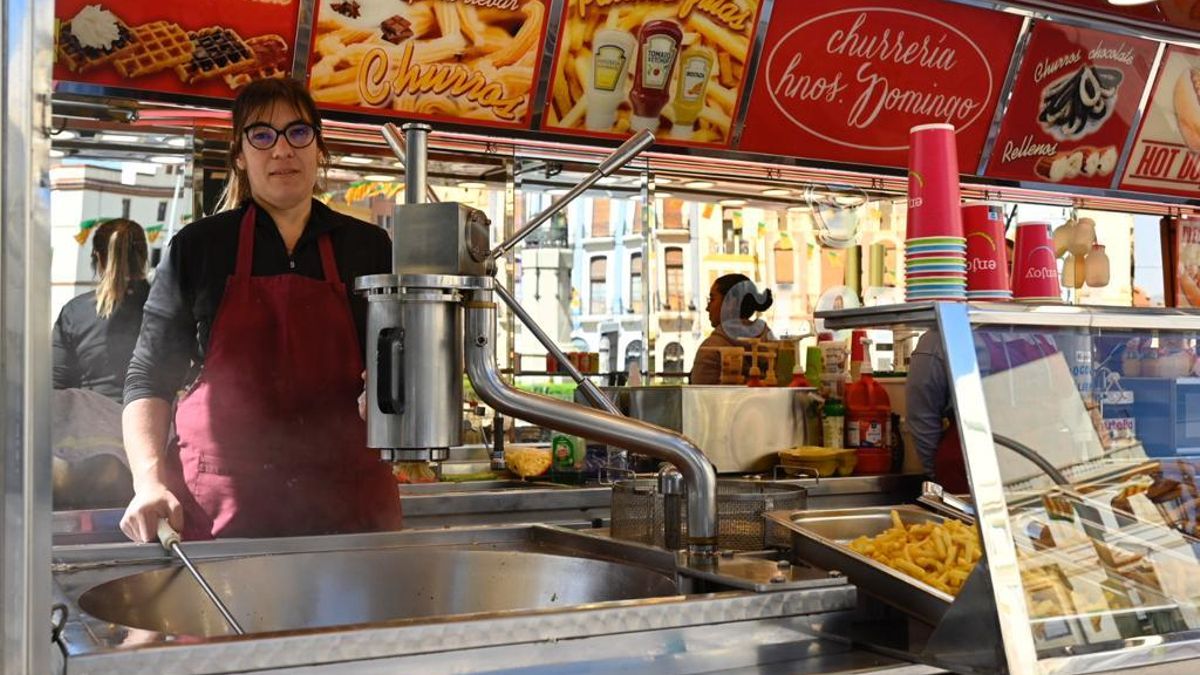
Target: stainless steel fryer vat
(334, 588)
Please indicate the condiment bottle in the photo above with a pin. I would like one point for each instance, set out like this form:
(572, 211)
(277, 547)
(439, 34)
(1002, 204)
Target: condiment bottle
(833, 423)
(612, 51)
(658, 48)
(695, 70)
(868, 409)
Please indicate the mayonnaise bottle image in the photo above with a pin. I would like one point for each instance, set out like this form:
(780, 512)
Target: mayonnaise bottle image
(613, 51)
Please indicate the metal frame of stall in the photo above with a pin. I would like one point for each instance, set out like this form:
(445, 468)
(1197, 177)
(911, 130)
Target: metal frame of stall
(24, 320)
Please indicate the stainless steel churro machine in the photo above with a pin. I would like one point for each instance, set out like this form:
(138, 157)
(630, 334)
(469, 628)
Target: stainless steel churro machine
(436, 313)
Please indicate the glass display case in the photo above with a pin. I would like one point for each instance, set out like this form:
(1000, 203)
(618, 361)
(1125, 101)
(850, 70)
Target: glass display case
(1080, 428)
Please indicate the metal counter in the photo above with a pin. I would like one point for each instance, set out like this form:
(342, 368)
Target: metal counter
(437, 505)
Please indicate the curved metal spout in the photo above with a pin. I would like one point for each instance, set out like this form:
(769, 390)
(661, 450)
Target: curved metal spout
(623, 432)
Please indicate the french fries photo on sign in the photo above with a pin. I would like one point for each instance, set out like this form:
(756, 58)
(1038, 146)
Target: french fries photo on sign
(469, 60)
(673, 67)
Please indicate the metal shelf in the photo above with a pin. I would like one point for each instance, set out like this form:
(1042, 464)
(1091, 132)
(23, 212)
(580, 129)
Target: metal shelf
(1013, 314)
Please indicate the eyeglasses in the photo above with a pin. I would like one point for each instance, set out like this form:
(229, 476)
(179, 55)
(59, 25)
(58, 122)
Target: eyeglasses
(264, 136)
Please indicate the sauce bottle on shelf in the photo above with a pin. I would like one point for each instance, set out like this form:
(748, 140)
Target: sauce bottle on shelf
(833, 423)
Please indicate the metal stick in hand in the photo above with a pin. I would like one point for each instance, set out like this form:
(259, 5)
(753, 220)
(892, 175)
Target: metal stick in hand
(170, 539)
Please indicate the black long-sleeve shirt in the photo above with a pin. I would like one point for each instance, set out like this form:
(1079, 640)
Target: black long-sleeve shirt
(91, 352)
(191, 279)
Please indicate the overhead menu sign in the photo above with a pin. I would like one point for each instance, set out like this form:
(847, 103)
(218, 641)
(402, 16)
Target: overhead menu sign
(1166, 155)
(198, 48)
(472, 61)
(1072, 106)
(674, 67)
(845, 80)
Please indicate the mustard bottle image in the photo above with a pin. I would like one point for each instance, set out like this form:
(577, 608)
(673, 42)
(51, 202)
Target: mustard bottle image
(691, 88)
(613, 51)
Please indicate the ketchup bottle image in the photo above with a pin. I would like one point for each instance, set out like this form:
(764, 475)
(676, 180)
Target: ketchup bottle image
(658, 49)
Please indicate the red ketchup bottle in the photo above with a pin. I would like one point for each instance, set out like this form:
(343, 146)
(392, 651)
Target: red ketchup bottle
(868, 416)
(658, 49)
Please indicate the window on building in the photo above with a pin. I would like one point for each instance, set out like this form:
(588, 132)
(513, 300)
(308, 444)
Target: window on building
(636, 226)
(633, 354)
(673, 215)
(673, 358)
(601, 217)
(635, 284)
(162, 211)
(126, 205)
(673, 264)
(785, 257)
(598, 275)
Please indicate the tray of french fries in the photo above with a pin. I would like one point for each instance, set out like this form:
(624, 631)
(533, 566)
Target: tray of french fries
(906, 556)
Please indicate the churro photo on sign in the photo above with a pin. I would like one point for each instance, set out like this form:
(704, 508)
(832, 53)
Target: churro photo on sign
(673, 67)
(439, 59)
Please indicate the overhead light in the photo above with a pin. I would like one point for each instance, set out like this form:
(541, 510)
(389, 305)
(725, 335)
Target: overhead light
(662, 180)
(118, 138)
(557, 192)
(663, 195)
(1130, 3)
(341, 175)
(177, 142)
(846, 200)
(350, 159)
(65, 135)
(699, 184)
(57, 153)
(472, 185)
(399, 165)
(168, 159)
(776, 192)
(799, 209)
(379, 178)
(732, 202)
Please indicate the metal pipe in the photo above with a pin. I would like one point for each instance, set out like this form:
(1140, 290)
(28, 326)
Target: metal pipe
(590, 390)
(1033, 456)
(395, 141)
(698, 473)
(169, 538)
(416, 170)
(619, 158)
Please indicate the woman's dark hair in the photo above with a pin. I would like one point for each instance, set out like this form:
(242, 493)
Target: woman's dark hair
(119, 255)
(255, 99)
(750, 303)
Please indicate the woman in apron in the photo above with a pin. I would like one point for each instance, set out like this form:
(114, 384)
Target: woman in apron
(250, 312)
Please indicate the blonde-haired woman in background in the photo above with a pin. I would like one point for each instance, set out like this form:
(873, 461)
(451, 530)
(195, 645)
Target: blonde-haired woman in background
(95, 332)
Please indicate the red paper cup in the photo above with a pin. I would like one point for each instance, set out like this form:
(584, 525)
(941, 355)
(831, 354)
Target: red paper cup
(1035, 271)
(933, 199)
(987, 259)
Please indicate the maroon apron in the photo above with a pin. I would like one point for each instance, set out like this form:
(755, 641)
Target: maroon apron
(269, 436)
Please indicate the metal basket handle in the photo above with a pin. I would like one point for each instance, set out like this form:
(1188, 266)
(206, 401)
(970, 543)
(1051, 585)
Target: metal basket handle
(801, 470)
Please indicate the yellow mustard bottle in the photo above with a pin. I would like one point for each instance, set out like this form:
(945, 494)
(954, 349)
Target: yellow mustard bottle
(691, 88)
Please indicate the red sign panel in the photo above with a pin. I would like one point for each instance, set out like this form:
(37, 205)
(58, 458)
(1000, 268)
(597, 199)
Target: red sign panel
(674, 67)
(1166, 154)
(1072, 106)
(845, 80)
(466, 61)
(197, 48)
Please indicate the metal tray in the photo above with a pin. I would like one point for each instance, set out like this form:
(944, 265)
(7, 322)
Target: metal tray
(819, 537)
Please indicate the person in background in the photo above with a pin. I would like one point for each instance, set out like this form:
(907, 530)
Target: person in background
(269, 441)
(930, 411)
(729, 326)
(95, 332)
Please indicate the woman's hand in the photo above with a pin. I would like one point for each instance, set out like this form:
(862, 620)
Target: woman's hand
(140, 522)
(362, 398)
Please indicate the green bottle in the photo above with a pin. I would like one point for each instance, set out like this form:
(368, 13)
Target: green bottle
(833, 425)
